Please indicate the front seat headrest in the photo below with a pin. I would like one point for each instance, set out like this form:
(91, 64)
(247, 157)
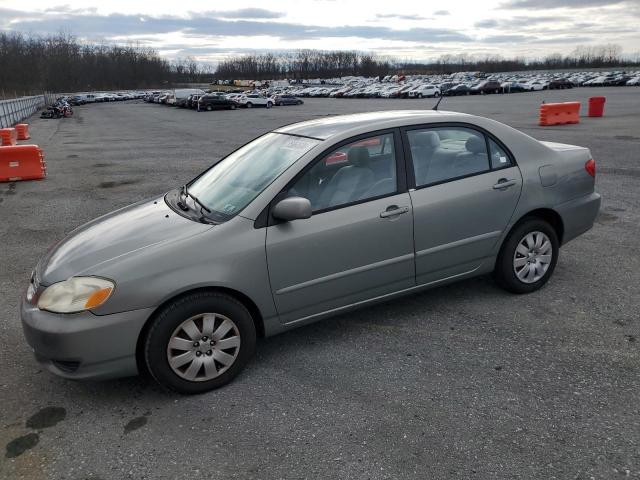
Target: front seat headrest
(427, 139)
(475, 145)
(358, 156)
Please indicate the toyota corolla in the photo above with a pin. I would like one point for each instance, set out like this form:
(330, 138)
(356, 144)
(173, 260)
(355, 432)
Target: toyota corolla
(304, 222)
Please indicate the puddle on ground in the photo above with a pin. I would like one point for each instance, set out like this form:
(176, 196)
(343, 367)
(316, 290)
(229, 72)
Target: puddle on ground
(46, 417)
(135, 424)
(18, 446)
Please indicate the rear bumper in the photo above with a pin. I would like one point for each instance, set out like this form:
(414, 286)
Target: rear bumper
(578, 215)
(84, 346)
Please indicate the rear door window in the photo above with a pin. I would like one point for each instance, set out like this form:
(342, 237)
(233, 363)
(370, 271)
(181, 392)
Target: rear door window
(446, 153)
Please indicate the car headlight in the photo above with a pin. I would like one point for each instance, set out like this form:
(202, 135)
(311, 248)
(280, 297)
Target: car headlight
(76, 294)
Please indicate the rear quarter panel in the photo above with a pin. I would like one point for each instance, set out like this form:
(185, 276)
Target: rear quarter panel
(554, 177)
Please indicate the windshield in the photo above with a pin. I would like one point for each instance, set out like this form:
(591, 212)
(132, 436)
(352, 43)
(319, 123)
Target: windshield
(233, 183)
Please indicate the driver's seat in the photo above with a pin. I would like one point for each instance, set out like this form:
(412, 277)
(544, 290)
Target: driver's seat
(350, 182)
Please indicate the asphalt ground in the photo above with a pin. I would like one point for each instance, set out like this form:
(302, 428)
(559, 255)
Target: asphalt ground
(463, 381)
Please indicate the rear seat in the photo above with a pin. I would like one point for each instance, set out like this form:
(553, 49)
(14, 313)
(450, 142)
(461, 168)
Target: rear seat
(475, 158)
(433, 163)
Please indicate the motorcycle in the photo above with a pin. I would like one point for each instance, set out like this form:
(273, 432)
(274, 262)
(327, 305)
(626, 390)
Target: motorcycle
(59, 109)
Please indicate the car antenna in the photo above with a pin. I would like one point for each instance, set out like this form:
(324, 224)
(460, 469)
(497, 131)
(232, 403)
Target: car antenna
(435, 107)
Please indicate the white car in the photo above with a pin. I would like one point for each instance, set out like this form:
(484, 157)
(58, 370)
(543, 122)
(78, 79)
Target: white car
(535, 85)
(255, 100)
(424, 91)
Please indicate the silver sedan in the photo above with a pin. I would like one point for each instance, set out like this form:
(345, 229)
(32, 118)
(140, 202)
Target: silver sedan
(302, 223)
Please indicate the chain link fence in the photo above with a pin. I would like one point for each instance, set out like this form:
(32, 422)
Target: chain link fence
(15, 110)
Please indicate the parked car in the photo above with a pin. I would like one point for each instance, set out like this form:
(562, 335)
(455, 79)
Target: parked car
(213, 101)
(512, 87)
(559, 84)
(275, 236)
(256, 100)
(535, 85)
(284, 99)
(424, 91)
(486, 87)
(457, 90)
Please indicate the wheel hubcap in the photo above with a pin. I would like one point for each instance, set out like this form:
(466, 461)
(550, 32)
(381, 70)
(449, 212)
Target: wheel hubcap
(532, 257)
(203, 347)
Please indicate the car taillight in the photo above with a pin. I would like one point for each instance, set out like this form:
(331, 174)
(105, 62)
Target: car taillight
(590, 167)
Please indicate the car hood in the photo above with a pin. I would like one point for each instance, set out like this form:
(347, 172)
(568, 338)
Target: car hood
(114, 235)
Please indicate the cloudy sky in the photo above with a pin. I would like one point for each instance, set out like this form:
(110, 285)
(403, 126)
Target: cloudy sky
(409, 29)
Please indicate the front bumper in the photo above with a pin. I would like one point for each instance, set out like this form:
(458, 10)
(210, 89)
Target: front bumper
(82, 345)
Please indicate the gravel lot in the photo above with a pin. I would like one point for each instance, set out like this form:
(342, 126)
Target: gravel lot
(464, 381)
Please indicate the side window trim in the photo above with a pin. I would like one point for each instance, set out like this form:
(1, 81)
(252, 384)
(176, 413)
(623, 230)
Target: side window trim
(408, 158)
(265, 219)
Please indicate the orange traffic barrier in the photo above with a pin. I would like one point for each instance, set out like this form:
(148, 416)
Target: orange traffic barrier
(9, 136)
(559, 113)
(596, 106)
(22, 162)
(23, 131)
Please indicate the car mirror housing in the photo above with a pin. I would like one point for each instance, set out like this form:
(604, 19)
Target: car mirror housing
(292, 208)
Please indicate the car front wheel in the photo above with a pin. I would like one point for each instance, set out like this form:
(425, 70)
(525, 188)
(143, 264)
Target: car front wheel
(528, 256)
(199, 342)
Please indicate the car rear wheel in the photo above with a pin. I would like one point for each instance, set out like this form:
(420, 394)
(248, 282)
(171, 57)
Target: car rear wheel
(199, 342)
(249, 104)
(528, 256)
(209, 108)
(233, 107)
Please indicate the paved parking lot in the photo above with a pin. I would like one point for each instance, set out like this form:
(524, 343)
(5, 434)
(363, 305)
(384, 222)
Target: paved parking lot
(463, 381)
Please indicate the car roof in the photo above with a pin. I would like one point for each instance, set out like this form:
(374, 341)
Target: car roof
(329, 126)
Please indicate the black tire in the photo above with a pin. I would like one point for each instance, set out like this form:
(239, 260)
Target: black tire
(169, 319)
(209, 108)
(233, 107)
(249, 105)
(504, 272)
(269, 104)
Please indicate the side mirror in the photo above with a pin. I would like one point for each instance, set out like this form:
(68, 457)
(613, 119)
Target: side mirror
(292, 208)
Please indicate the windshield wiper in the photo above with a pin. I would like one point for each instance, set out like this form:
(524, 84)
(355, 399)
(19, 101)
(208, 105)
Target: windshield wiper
(183, 206)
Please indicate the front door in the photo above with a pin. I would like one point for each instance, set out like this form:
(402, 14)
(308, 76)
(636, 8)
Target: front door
(357, 245)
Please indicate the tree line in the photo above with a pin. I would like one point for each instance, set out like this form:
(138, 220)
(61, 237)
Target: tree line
(305, 64)
(31, 64)
(59, 63)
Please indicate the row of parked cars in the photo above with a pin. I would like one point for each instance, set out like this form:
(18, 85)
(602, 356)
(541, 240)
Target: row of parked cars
(198, 99)
(390, 86)
(93, 97)
(466, 83)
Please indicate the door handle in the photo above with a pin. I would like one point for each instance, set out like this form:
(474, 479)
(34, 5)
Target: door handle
(393, 210)
(503, 184)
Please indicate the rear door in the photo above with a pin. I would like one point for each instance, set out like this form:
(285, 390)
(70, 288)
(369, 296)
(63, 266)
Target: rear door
(464, 187)
(358, 244)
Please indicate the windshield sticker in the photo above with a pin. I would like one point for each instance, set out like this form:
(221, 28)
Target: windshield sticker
(298, 143)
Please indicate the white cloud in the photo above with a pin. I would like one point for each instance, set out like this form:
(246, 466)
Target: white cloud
(508, 27)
